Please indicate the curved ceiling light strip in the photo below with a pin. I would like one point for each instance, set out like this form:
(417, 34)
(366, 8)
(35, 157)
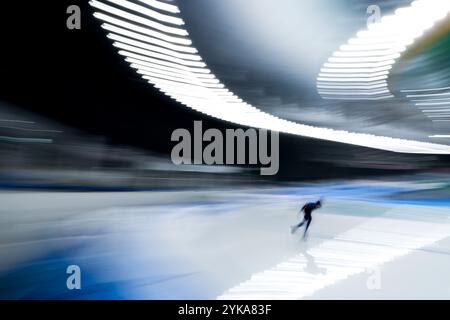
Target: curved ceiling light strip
(368, 58)
(433, 103)
(163, 55)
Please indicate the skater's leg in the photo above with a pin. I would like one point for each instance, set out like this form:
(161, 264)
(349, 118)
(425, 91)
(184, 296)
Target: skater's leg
(294, 228)
(308, 223)
(307, 226)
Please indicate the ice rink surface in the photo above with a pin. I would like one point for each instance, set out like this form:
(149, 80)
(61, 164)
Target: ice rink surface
(365, 243)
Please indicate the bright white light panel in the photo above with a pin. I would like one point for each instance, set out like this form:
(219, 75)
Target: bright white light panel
(359, 70)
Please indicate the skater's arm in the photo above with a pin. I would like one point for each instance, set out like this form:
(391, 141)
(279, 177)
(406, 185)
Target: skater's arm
(303, 208)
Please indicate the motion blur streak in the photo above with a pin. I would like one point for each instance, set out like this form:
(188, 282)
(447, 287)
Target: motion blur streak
(90, 172)
(217, 101)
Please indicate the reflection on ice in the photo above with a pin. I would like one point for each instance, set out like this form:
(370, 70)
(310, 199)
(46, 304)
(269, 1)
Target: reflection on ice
(367, 246)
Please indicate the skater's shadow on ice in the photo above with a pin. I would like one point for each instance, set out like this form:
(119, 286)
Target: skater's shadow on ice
(311, 266)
